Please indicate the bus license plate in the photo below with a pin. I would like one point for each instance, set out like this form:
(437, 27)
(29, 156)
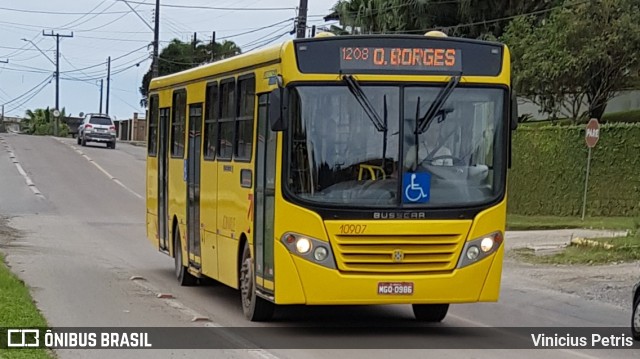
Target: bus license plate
(395, 288)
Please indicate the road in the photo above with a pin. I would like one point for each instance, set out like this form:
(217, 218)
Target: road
(81, 239)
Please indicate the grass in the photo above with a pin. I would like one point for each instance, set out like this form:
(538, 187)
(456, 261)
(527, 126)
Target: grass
(523, 223)
(18, 310)
(625, 249)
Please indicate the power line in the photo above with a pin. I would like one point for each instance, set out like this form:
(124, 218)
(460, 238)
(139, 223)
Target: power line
(90, 82)
(104, 62)
(251, 43)
(217, 8)
(48, 78)
(269, 41)
(61, 12)
(24, 47)
(483, 22)
(99, 75)
(138, 15)
(108, 23)
(14, 107)
(64, 27)
(30, 68)
(31, 71)
(256, 30)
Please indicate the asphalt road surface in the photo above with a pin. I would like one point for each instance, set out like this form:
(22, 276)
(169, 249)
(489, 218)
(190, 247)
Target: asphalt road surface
(79, 215)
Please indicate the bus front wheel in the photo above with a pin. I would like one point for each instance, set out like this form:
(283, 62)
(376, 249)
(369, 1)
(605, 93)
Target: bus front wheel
(255, 309)
(430, 312)
(184, 277)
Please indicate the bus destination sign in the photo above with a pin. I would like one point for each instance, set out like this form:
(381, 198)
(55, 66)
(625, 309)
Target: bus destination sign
(356, 58)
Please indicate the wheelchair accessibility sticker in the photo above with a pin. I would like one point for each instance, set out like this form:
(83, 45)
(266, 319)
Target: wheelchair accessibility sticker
(416, 187)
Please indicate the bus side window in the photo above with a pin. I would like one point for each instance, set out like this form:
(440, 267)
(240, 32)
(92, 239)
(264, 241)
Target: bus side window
(152, 142)
(212, 113)
(243, 143)
(227, 118)
(178, 120)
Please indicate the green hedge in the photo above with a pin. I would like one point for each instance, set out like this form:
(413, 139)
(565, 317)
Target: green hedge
(549, 167)
(624, 116)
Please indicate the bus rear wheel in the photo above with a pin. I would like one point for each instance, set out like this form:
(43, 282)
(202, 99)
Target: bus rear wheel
(430, 312)
(255, 308)
(184, 277)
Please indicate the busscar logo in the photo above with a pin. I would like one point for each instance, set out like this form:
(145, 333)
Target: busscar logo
(23, 338)
(399, 215)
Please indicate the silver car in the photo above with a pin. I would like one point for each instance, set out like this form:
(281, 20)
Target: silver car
(97, 128)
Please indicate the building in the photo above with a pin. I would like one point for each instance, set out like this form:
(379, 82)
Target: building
(133, 129)
(10, 124)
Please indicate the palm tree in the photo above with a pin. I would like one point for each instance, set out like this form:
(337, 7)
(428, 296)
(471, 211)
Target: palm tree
(226, 49)
(36, 120)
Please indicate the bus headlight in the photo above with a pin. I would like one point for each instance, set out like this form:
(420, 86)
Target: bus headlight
(303, 245)
(479, 248)
(486, 244)
(311, 249)
(472, 252)
(320, 254)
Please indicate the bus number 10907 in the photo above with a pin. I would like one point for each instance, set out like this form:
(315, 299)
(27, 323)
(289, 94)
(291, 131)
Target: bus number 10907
(353, 228)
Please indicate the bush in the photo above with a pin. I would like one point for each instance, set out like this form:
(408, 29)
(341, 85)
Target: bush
(43, 129)
(549, 167)
(625, 116)
(63, 130)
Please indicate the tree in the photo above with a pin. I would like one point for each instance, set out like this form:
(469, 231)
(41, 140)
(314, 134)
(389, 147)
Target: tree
(179, 56)
(584, 52)
(41, 121)
(464, 18)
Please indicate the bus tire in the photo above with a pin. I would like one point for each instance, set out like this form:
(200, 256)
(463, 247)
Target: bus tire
(184, 277)
(635, 318)
(255, 309)
(430, 312)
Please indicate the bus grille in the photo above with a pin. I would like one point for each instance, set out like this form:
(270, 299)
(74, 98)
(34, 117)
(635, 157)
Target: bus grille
(397, 254)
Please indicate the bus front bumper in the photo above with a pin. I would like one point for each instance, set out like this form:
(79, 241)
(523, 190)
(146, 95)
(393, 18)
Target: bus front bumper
(299, 281)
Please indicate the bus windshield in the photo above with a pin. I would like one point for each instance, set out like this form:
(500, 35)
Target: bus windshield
(339, 155)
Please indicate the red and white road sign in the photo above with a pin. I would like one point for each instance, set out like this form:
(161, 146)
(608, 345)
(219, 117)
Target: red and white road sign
(592, 133)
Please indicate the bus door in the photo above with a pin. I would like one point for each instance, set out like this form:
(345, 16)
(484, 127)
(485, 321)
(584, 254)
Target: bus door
(264, 196)
(163, 153)
(193, 183)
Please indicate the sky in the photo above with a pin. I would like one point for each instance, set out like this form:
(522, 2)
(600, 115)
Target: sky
(103, 28)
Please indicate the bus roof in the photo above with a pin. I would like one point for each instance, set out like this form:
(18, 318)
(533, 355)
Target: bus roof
(231, 64)
(273, 53)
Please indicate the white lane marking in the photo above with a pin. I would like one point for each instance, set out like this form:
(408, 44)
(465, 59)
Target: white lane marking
(261, 354)
(176, 304)
(568, 351)
(21, 170)
(111, 177)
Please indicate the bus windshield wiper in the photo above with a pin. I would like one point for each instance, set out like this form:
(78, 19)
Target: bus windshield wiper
(436, 105)
(364, 102)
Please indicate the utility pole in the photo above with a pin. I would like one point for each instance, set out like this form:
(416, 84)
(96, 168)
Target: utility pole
(193, 57)
(302, 20)
(2, 129)
(156, 36)
(58, 36)
(108, 83)
(101, 86)
(213, 46)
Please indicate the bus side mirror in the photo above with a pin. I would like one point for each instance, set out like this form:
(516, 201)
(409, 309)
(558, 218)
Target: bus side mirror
(278, 109)
(514, 110)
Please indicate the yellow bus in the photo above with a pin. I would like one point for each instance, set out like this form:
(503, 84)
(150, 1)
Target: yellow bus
(336, 170)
